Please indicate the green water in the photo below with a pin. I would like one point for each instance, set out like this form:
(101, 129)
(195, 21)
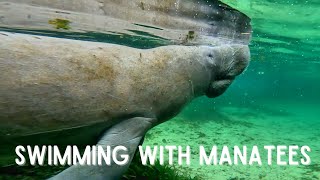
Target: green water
(274, 102)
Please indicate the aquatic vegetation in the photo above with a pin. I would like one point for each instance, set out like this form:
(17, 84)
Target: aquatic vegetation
(201, 135)
(312, 169)
(29, 172)
(155, 172)
(135, 171)
(60, 23)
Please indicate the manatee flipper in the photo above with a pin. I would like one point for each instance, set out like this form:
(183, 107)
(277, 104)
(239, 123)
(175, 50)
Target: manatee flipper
(128, 133)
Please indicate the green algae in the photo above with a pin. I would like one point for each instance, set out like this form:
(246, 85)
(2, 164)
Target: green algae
(190, 35)
(60, 23)
(155, 172)
(135, 171)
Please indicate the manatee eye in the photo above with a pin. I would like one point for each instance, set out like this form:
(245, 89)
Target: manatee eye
(210, 55)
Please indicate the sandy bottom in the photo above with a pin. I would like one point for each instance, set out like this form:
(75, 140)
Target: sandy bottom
(285, 124)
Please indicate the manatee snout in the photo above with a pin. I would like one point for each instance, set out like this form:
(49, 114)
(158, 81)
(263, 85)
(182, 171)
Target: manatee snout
(229, 62)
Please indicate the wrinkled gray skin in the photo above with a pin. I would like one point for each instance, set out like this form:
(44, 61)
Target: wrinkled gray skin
(212, 22)
(50, 84)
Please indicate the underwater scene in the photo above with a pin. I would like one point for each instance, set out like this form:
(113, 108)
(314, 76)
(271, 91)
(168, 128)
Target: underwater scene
(274, 101)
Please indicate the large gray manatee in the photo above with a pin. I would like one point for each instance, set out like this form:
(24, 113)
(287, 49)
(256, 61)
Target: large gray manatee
(60, 91)
(49, 85)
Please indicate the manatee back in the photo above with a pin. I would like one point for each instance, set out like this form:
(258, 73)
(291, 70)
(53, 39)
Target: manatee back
(50, 84)
(135, 23)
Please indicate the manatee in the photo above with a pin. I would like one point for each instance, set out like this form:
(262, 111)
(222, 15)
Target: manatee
(66, 91)
(48, 85)
(190, 22)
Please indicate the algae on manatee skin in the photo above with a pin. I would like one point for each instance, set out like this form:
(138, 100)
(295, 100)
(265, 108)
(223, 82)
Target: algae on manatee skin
(60, 23)
(190, 35)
